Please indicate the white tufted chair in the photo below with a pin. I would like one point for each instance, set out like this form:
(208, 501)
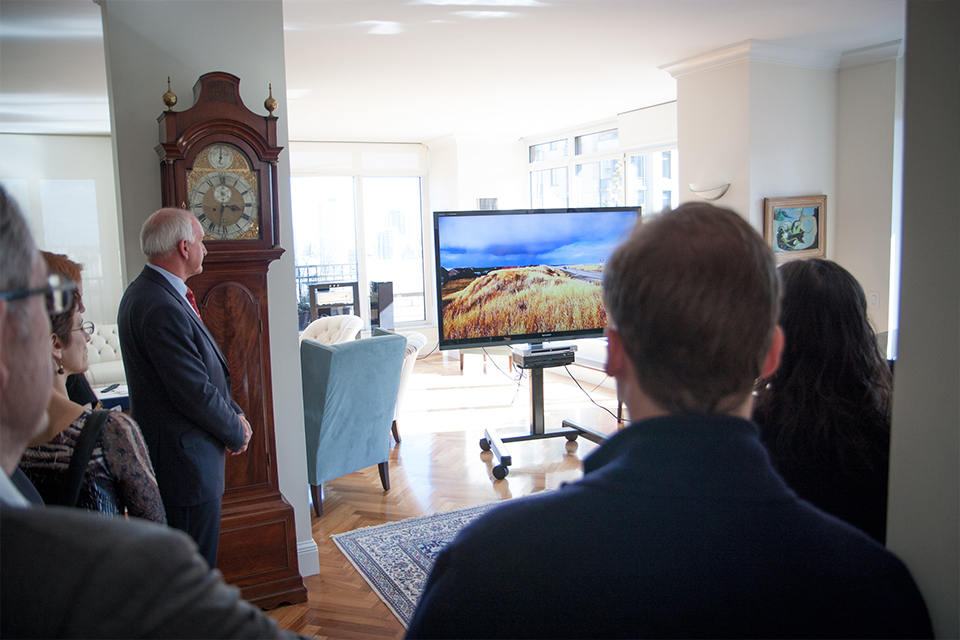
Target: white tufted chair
(415, 342)
(103, 352)
(333, 329)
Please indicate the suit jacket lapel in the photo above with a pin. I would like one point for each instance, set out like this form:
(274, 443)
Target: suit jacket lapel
(153, 276)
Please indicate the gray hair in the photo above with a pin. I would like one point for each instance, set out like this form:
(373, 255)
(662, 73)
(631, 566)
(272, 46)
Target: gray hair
(163, 231)
(17, 249)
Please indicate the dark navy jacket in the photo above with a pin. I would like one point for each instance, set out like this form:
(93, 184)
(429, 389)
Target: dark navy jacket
(679, 528)
(179, 390)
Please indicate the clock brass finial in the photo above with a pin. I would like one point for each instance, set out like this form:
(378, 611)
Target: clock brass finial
(169, 98)
(270, 103)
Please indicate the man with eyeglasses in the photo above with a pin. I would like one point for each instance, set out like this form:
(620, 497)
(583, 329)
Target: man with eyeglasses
(26, 369)
(65, 572)
(22, 301)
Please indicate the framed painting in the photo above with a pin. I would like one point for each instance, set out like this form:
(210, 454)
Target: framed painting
(796, 228)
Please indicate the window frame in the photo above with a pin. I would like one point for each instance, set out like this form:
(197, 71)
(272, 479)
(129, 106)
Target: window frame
(572, 160)
(351, 163)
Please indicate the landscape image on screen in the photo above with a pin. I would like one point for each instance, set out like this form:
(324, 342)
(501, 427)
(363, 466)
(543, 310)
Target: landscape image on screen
(515, 274)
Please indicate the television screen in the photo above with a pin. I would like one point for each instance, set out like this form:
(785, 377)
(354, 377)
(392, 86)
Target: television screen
(525, 275)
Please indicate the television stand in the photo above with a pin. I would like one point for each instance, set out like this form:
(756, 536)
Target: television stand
(571, 430)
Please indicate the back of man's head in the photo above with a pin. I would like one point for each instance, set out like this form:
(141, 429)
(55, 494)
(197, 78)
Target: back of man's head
(694, 295)
(163, 230)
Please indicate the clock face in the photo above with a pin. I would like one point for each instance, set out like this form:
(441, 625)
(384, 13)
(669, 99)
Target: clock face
(225, 204)
(223, 193)
(220, 156)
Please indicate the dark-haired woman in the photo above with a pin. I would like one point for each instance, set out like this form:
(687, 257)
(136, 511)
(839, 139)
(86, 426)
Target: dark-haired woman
(824, 416)
(118, 477)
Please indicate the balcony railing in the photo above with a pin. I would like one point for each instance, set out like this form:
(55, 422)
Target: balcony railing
(318, 273)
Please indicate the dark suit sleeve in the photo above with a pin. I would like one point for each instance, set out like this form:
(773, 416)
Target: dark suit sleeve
(68, 573)
(183, 598)
(183, 372)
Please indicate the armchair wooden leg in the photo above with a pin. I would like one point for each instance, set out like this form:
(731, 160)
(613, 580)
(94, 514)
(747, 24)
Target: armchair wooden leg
(396, 433)
(385, 476)
(317, 500)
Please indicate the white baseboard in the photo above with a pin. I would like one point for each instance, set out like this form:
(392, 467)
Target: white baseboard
(308, 557)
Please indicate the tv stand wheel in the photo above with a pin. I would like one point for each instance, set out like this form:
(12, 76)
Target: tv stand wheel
(571, 436)
(484, 444)
(500, 472)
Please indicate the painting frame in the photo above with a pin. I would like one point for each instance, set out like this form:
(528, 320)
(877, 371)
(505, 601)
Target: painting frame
(779, 239)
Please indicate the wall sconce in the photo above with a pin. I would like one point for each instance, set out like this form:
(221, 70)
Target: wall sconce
(714, 192)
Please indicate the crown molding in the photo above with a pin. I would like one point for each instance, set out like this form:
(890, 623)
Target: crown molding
(892, 50)
(751, 50)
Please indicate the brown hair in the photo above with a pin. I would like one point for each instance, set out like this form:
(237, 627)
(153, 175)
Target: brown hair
(694, 294)
(62, 323)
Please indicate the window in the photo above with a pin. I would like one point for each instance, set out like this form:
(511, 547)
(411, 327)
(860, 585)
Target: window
(650, 182)
(603, 174)
(71, 226)
(324, 229)
(548, 151)
(358, 216)
(394, 241)
(548, 188)
(600, 184)
(594, 142)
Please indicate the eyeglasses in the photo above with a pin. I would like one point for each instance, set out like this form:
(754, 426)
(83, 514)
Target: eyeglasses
(58, 294)
(87, 327)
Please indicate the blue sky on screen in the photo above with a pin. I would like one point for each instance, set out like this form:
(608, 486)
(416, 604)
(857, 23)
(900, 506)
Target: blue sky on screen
(525, 239)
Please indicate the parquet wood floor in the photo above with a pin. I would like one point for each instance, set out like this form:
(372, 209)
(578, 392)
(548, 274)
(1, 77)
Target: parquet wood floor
(438, 466)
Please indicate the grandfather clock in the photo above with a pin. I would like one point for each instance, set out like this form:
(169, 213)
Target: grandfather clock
(219, 161)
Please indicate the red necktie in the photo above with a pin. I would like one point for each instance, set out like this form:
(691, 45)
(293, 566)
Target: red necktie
(193, 302)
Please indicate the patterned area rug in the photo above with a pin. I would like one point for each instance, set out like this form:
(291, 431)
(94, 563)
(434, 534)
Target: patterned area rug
(396, 558)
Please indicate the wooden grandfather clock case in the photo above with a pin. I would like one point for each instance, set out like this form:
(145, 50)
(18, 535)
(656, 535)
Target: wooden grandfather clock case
(219, 160)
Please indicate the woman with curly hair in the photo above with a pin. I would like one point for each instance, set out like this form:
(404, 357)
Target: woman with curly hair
(89, 459)
(824, 416)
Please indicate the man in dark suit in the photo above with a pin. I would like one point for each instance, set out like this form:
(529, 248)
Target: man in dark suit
(66, 572)
(178, 379)
(680, 526)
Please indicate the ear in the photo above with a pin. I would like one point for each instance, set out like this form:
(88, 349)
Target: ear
(57, 345)
(772, 361)
(183, 248)
(616, 357)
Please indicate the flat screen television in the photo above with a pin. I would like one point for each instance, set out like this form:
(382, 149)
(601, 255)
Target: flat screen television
(524, 276)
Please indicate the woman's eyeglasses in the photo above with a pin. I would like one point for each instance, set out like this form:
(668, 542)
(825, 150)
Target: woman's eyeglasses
(58, 294)
(87, 327)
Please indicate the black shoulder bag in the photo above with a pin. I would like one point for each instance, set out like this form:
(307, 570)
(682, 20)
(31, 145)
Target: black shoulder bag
(81, 456)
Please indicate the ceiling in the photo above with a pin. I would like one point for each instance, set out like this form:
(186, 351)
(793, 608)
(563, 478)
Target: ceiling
(418, 70)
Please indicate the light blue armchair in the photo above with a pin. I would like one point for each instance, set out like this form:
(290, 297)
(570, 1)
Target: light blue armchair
(349, 397)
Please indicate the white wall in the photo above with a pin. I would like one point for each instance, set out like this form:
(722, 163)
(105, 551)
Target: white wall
(463, 170)
(444, 175)
(768, 129)
(713, 133)
(31, 162)
(793, 136)
(863, 207)
(148, 40)
(923, 522)
(648, 127)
